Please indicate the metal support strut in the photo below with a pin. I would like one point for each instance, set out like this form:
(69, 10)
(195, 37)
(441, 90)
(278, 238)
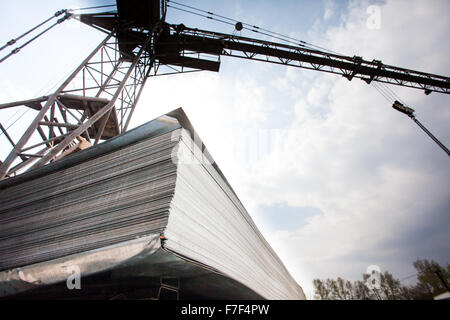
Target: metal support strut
(95, 102)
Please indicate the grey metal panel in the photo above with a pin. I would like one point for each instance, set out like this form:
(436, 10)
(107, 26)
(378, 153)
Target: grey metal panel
(111, 193)
(208, 224)
(129, 267)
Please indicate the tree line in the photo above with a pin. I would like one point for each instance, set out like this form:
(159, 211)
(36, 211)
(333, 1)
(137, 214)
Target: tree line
(432, 280)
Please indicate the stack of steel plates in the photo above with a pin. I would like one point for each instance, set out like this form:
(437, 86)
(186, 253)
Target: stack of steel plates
(157, 182)
(109, 199)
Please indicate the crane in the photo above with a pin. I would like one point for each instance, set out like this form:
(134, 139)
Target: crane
(97, 100)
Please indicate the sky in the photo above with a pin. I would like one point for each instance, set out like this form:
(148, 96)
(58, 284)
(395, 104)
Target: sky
(335, 179)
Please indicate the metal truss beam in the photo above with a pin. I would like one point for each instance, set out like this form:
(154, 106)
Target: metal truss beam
(201, 41)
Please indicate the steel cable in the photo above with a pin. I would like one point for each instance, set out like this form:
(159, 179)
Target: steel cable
(251, 27)
(17, 49)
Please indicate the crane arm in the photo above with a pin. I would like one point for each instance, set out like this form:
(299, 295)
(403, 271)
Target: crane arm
(175, 46)
(181, 46)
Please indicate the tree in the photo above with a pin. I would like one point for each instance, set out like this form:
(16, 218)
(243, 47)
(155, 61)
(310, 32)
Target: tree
(322, 291)
(362, 292)
(390, 288)
(428, 276)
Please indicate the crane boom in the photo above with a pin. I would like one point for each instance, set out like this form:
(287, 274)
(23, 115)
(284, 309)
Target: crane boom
(178, 45)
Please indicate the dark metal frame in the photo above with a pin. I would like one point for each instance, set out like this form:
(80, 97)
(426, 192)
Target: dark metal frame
(303, 57)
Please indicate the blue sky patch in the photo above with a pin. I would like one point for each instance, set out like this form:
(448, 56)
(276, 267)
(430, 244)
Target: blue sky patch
(281, 216)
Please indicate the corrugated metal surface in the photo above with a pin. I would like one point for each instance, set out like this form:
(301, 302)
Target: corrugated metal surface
(130, 270)
(208, 224)
(112, 198)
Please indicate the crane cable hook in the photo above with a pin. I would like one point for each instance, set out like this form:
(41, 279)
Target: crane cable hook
(410, 113)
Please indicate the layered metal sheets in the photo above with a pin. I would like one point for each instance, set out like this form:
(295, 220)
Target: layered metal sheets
(156, 182)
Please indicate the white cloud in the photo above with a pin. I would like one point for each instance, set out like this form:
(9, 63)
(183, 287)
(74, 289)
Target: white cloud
(363, 164)
(329, 10)
(375, 176)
